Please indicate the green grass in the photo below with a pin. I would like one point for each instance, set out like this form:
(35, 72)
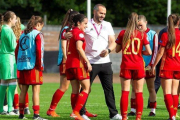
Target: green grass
(96, 103)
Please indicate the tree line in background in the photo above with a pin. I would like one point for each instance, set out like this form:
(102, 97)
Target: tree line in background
(117, 10)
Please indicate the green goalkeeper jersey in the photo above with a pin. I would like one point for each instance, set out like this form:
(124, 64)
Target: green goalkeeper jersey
(7, 40)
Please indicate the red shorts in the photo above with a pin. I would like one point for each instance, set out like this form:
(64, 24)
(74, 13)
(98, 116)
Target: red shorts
(149, 74)
(77, 74)
(17, 74)
(167, 74)
(132, 74)
(62, 69)
(30, 77)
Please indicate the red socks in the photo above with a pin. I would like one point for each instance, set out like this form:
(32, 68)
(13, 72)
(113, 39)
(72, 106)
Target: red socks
(56, 98)
(133, 103)
(169, 104)
(80, 101)
(175, 103)
(139, 105)
(21, 108)
(16, 101)
(153, 105)
(27, 100)
(36, 109)
(74, 98)
(124, 104)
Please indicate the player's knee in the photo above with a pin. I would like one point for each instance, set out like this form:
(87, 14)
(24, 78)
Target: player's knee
(86, 89)
(151, 90)
(63, 88)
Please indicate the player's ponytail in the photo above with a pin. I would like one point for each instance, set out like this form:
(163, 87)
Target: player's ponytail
(67, 20)
(172, 22)
(1, 21)
(32, 23)
(131, 26)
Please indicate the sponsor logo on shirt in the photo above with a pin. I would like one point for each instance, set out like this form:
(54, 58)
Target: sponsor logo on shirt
(24, 43)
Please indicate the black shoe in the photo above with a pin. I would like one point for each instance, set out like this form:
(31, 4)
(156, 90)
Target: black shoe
(37, 117)
(178, 106)
(22, 117)
(152, 114)
(131, 114)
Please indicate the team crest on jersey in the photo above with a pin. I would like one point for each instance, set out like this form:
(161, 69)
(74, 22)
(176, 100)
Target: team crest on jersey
(160, 41)
(63, 34)
(81, 35)
(24, 43)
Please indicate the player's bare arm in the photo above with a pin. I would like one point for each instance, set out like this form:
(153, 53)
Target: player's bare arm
(79, 48)
(159, 56)
(148, 50)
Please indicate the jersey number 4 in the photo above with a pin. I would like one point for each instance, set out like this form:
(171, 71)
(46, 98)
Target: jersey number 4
(133, 46)
(176, 50)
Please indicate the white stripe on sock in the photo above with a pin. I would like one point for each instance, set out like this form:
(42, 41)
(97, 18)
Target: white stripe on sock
(12, 83)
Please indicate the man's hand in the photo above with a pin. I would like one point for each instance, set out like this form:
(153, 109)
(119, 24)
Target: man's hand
(104, 53)
(68, 35)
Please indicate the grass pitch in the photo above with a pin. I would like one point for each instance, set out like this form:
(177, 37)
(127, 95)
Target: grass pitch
(96, 103)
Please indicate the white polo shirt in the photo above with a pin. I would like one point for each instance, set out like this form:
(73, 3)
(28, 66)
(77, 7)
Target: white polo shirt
(95, 43)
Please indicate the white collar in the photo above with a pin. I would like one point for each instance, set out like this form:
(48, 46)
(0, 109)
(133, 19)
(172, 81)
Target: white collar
(93, 22)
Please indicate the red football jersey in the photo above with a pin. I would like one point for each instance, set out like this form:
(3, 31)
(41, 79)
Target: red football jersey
(132, 53)
(171, 57)
(74, 60)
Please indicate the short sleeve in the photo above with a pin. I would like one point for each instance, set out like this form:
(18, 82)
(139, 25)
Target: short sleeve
(120, 37)
(62, 35)
(145, 39)
(164, 39)
(79, 36)
(110, 29)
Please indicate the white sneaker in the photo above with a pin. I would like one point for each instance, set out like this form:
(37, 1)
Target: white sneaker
(16, 111)
(12, 113)
(116, 117)
(5, 108)
(26, 111)
(4, 113)
(85, 117)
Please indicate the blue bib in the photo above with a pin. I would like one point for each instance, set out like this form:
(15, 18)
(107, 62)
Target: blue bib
(60, 55)
(150, 37)
(26, 58)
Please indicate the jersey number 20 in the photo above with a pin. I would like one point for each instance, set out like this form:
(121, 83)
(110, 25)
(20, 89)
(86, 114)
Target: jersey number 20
(133, 46)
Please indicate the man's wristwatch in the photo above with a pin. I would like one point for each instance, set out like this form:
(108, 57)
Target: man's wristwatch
(109, 50)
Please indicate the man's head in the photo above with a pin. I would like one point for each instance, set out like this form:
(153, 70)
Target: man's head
(99, 12)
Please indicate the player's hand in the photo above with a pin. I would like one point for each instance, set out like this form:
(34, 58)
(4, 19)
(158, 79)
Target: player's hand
(89, 67)
(153, 70)
(68, 35)
(148, 67)
(64, 59)
(104, 53)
